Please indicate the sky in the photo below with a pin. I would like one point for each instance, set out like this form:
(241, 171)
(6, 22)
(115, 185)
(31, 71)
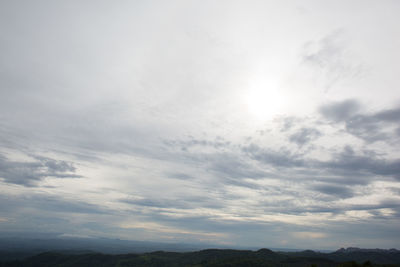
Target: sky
(251, 123)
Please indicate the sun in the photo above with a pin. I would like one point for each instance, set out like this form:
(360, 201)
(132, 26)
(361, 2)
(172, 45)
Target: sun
(264, 101)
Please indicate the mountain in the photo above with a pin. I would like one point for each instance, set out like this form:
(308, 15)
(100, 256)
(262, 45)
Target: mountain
(366, 250)
(72, 251)
(213, 257)
(30, 246)
(386, 256)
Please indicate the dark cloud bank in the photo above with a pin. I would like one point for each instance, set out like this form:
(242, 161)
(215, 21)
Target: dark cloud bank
(30, 173)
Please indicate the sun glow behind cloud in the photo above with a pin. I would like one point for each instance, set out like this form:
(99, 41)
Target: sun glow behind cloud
(264, 100)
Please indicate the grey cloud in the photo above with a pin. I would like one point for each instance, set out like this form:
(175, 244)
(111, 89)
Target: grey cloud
(180, 176)
(398, 131)
(334, 190)
(56, 166)
(218, 143)
(388, 204)
(304, 135)
(48, 213)
(329, 206)
(340, 111)
(326, 205)
(347, 165)
(396, 190)
(288, 123)
(379, 214)
(274, 230)
(155, 203)
(369, 127)
(278, 159)
(233, 167)
(391, 115)
(187, 202)
(211, 223)
(30, 173)
(47, 203)
(225, 163)
(68, 206)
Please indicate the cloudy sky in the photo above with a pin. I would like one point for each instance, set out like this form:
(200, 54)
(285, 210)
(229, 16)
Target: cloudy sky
(257, 123)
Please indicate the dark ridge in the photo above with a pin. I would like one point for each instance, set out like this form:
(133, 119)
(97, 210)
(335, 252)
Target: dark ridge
(265, 251)
(215, 257)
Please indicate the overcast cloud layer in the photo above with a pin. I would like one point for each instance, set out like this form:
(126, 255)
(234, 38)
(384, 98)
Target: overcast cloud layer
(252, 123)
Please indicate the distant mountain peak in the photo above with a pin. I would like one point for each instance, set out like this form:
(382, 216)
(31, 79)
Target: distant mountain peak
(265, 251)
(366, 250)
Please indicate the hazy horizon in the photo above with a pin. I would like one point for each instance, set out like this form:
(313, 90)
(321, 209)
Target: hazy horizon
(64, 242)
(240, 123)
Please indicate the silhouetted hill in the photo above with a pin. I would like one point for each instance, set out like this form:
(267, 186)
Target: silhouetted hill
(386, 256)
(383, 256)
